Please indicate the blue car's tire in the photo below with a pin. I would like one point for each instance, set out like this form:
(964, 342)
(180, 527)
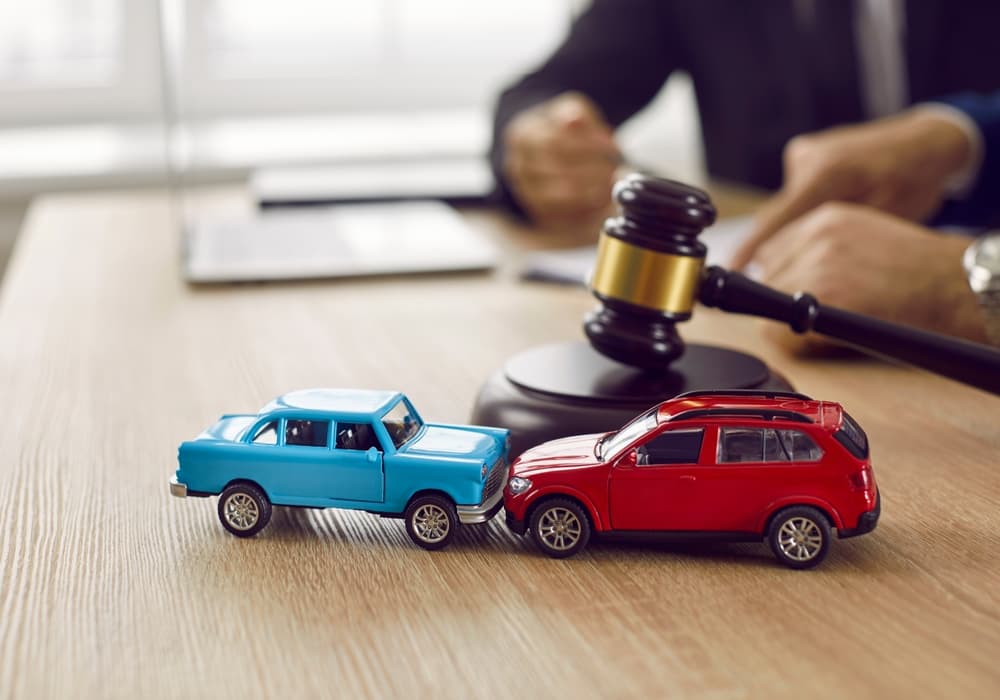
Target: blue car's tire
(431, 521)
(244, 509)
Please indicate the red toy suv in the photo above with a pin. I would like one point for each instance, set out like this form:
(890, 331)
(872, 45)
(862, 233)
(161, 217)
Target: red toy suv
(733, 465)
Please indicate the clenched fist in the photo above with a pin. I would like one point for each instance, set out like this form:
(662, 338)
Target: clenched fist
(560, 159)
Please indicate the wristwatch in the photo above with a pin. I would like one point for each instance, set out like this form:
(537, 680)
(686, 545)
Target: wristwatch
(982, 264)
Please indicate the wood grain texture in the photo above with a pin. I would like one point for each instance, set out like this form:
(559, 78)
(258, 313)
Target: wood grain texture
(110, 588)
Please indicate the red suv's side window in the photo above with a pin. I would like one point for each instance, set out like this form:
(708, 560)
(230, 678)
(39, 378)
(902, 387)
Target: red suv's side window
(739, 444)
(799, 446)
(671, 447)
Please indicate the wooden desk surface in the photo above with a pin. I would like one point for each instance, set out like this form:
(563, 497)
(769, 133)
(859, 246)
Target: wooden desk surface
(111, 588)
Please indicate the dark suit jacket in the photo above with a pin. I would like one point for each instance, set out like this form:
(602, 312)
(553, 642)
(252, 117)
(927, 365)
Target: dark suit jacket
(760, 79)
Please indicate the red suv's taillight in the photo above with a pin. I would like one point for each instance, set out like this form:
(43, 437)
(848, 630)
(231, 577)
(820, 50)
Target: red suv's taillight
(861, 480)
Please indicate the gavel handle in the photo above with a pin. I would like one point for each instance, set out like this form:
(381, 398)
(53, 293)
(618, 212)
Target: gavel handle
(970, 363)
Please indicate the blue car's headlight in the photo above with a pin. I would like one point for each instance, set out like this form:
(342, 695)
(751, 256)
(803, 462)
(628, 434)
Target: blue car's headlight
(519, 485)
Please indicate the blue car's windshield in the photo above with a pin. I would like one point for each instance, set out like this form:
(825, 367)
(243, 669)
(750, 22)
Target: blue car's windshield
(402, 423)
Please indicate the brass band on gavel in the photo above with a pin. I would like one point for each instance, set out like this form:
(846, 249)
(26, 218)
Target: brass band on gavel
(662, 281)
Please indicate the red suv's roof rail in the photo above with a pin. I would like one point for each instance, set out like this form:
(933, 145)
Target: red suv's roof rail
(762, 413)
(745, 392)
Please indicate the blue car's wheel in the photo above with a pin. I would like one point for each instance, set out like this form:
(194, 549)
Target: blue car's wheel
(431, 521)
(244, 509)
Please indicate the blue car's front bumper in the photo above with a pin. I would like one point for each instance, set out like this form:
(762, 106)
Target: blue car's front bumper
(468, 515)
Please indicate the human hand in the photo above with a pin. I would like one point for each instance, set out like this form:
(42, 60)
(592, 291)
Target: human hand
(560, 159)
(900, 165)
(863, 260)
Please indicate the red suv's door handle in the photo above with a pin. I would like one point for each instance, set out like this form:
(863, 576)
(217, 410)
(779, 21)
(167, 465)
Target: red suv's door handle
(688, 477)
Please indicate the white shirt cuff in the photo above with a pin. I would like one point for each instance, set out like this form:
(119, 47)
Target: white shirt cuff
(960, 184)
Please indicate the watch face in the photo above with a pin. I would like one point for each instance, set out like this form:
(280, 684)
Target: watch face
(989, 253)
(983, 264)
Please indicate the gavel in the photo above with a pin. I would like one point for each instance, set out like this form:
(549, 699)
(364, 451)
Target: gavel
(650, 271)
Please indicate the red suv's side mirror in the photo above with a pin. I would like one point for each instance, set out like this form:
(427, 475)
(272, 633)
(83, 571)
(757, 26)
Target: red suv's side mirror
(628, 459)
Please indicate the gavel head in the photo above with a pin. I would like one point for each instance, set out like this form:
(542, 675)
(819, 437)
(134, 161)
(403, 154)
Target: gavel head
(648, 270)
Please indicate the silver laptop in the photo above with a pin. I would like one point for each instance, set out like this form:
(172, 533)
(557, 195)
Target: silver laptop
(459, 180)
(347, 240)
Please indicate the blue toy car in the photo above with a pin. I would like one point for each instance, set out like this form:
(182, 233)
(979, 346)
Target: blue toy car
(347, 448)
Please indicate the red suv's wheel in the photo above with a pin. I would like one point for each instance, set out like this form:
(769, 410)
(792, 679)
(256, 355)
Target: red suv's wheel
(800, 537)
(560, 527)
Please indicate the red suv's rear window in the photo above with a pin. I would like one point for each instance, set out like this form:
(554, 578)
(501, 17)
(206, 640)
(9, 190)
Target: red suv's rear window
(852, 437)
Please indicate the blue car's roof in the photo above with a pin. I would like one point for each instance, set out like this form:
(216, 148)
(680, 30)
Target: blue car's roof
(341, 401)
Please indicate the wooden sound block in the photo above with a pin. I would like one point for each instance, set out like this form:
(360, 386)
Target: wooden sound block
(569, 388)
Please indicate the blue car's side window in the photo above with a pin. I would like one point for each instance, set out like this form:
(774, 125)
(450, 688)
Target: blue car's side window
(307, 433)
(267, 434)
(356, 436)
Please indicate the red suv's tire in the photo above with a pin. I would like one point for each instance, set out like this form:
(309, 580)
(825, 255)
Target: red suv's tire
(560, 527)
(800, 537)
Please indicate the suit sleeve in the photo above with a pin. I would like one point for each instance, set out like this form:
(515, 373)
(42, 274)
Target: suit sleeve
(981, 206)
(618, 53)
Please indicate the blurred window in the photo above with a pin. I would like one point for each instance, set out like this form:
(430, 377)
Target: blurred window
(67, 61)
(78, 61)
(60, 42)
(258, 56)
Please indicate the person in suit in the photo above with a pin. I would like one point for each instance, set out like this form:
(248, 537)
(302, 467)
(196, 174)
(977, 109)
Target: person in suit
(799, 79)
(764, 71)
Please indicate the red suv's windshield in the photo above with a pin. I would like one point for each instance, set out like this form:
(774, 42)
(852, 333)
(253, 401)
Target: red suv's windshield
(614, 442)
